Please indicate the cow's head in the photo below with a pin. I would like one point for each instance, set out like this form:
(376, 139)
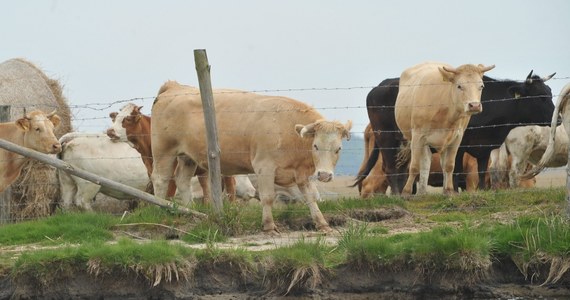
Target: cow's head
(124, 121)
(467, 81)
(38, 130)
(327, 142)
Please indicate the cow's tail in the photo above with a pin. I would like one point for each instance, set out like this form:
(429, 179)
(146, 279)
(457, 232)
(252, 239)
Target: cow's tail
(499, 167)
(372, 159)
(404, 155)
(549, 152)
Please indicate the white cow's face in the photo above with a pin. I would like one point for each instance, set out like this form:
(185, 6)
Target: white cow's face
(117, 130)
(467, 86)
(39, 131)
(326, 145)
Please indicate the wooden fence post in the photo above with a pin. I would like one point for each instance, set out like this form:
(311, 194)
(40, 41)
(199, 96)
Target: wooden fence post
(6, 196)
(214, 171)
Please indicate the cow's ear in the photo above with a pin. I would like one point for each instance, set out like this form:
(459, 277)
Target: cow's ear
(55, 119)
(346, 131)
(516, 91)
(305, 131)
(446, 74)
(23, 123)
(113, 115)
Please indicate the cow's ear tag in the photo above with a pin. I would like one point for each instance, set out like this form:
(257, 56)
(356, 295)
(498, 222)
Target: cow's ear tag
(517, 95)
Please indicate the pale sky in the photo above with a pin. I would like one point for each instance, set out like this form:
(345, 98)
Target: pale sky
(107, 52)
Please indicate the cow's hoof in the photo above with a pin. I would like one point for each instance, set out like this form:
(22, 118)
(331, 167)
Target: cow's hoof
(325, 229)
(272, 232)
(450, 192)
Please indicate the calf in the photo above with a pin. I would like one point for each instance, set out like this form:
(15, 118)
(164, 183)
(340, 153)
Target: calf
(96, 153)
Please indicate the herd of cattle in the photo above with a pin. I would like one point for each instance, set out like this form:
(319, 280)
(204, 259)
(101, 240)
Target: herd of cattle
(482, 133)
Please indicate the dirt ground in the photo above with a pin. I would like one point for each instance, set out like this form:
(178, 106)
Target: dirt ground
(504, 281)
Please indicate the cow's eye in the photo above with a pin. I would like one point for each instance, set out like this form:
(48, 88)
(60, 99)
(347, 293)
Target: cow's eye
(481, 87)
(316, 147)
(37, 129)
(459, 87)
(338, 150)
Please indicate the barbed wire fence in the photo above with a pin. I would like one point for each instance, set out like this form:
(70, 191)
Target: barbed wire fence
(549, 177)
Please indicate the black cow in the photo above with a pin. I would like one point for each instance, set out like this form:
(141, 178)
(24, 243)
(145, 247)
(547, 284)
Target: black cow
(506, 104)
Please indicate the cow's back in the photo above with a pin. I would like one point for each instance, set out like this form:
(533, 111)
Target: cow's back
(248, 125)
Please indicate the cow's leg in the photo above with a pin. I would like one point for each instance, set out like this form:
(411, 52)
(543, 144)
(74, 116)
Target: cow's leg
(459, 176)
(86, 192)
(312, 195)
(183, 175)
(447, 157)
(417, 151)
(162, 173)
(395, 175)
(482, 163)
(266, 188)
(67, 188)
(425, 164)
(230, 187)
(204, 181)
(518, 166)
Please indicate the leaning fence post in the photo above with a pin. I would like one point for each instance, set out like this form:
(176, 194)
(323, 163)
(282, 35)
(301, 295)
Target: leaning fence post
(6, 196)
(214, 171)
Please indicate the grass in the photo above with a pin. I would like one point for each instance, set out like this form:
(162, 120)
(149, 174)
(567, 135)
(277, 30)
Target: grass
(468, 235)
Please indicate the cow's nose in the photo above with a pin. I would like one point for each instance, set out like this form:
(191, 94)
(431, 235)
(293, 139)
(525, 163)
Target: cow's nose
(56, 148)
(111, 133)
(475, 107)
(324, 176)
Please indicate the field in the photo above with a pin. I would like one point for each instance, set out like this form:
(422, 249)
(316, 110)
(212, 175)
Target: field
(503, 244)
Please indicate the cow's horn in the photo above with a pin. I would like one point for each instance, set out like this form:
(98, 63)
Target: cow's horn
(529, 77)
(450, 69)
(488, 68)
(51, 114)
(26, 114)
(545, 79)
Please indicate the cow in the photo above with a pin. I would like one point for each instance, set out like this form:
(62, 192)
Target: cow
(35, 130)
(513, 158)
(561, 110)
(96, 153)
(377, 183)
(282, 140)
(133, 127)
(530, 99)
(433, 108)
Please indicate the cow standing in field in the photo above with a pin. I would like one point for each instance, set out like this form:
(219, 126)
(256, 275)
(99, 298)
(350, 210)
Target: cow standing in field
(507, 103)
(96, 153)
(432, 109)
(281, 140)
(133, 127)
(35, 130)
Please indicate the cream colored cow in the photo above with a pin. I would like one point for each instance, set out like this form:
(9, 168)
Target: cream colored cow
(281, 140)
(35, 131)
(433, 108)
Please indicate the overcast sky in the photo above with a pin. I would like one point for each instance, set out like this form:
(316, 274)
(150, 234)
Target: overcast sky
(107, 52)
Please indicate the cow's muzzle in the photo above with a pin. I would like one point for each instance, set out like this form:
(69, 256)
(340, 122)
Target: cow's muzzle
(324, 176)
(112, 134)
(474, 107)
(55, 148)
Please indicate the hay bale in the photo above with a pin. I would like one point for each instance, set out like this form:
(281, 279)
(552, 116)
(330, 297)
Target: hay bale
(23, 85)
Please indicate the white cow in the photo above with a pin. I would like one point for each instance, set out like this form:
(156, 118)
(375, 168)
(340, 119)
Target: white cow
(526, 144)
(98, 154)
(561, 109)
